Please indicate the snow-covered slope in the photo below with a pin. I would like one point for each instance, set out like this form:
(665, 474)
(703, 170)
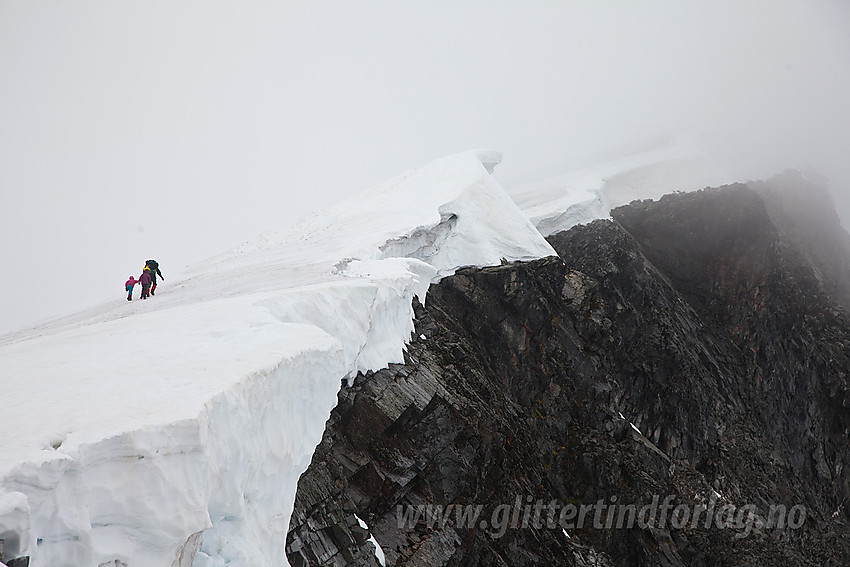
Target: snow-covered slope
(154, 433)
(588, 193)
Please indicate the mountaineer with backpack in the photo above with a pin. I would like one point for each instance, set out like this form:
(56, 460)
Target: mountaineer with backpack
(153, 266)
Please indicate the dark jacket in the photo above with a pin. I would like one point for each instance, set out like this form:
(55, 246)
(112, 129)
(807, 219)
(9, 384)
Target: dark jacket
(145, 278)
(154, 266)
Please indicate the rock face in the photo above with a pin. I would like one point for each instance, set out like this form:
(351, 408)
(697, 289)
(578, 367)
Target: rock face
(692, 353)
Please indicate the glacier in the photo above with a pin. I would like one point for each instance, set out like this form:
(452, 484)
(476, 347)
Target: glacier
(683, 163)
(173, 431)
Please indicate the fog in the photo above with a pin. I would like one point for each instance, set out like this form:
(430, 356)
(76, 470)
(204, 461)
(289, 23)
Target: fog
(172, 130)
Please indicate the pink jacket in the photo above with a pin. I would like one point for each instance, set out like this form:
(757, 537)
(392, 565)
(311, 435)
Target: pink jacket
(131, 281)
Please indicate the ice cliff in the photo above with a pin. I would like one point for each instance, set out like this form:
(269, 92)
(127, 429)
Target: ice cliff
(172, 432)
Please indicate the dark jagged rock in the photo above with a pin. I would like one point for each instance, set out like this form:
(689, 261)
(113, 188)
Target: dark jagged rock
(694, 349)
(23, 561)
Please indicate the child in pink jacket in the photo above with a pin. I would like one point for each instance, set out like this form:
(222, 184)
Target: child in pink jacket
(128, 285)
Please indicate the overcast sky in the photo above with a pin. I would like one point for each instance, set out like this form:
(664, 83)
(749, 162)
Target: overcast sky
(173, 130)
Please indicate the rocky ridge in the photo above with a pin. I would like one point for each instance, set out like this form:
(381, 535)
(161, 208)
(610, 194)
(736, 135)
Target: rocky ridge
(693, 350)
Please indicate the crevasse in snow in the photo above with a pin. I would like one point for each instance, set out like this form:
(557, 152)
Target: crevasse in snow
(173, 431)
